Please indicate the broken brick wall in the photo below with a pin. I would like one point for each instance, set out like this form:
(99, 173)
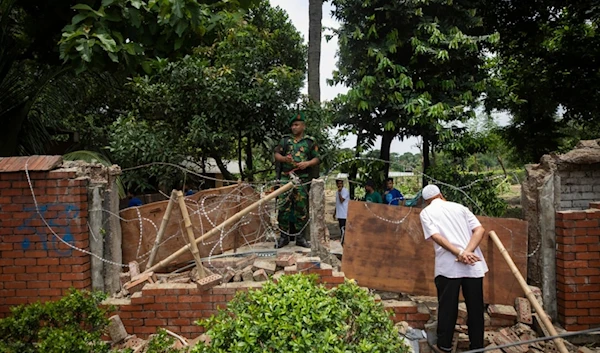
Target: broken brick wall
(559, 182)
(578, 267)
(35, 265)
(177, 306)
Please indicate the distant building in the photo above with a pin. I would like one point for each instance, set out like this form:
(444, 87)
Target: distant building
(211, 170)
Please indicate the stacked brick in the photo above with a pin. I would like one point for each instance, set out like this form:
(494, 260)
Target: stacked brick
(177, 306)
(34, 264)
(578, 268)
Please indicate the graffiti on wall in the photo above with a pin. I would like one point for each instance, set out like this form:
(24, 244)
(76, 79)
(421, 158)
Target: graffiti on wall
(58, 223)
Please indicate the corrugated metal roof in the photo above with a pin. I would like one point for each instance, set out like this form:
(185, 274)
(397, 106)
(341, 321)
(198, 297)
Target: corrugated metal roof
(34, 163)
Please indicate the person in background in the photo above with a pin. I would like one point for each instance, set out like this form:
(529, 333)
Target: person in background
(459, 263)
(372, 195)
(134, 201)
(189, 191)
(342, 198)
(392, 195)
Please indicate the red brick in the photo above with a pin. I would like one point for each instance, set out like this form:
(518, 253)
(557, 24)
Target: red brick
(575, 312)
(166, 314)
(74, 260)
(155, 322)
(576, 264)
(589, 304)
(48, 261)
(74, 276)
(594, 263)
(594, 296)
(155, 306)
(166, 299)
(15, 285)
(591, 320)
(13, 269)
(576, 327)
(178, 306)
(50, 292)
(595, 312)
(143, 314)
(594, 279)
(590, 239)
(593, 231)
(573, 296)
(571, 214)
(588, 271)
(588, 223)
(587, 256)
(144, 299)
(201, 306)
(179, 322)
(38, 284)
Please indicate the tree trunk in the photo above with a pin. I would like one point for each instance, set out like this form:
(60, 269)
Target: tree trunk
(426, 161)
(240, 165)
(315, 14)
(226, 174)
(249, 166)
(384, 152)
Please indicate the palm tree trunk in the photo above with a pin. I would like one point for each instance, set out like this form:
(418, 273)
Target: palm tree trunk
(315, 14)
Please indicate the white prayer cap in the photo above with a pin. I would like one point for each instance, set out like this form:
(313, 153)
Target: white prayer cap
(430, 191)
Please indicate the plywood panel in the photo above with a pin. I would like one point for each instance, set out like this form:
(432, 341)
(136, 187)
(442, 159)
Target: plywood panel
(207, 209)
(384, 248)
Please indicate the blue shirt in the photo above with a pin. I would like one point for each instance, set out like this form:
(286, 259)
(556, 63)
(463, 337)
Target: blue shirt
(393, 197)
(190, 192)
(134, 201)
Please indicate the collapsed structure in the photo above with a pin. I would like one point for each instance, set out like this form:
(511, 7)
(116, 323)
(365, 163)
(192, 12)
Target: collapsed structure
(60, 227)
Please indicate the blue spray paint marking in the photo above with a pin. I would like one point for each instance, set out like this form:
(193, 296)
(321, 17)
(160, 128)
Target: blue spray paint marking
(69, 212)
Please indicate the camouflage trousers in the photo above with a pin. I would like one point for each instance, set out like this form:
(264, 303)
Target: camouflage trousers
(293, 212)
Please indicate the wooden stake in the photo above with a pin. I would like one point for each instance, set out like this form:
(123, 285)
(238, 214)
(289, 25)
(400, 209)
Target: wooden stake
(236, 217)
(538, 308)
(190, 234)
(163, 227)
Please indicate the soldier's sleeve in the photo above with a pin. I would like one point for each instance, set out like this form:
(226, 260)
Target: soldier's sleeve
(279, 148)
(314, 152)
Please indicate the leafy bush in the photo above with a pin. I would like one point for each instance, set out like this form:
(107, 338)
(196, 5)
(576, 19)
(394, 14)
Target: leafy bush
(481, 195)
(72, 324)
(296, 315)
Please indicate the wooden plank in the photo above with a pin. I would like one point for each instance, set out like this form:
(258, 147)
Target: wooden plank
(382, 253)
(206, 208)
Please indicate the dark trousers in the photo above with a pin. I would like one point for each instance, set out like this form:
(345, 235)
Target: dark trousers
(342, 223)
(448, 292)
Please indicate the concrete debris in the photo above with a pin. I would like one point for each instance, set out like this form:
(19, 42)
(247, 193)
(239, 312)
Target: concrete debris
(260, 275)
(116, 329)
(138, 345)
(502, 311)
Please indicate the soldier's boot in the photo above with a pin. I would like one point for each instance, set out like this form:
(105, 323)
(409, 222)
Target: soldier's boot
(283, 240)
(301, 238)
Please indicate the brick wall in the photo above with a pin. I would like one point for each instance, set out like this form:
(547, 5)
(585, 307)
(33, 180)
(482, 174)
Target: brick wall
(580, 185)
(177, 306)
(34, 264)
(578, 268)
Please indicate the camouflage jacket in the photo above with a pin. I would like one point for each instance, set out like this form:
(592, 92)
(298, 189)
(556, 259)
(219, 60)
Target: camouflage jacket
(301, 151)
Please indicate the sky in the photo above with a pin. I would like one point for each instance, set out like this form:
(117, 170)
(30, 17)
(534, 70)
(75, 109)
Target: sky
(298, 13)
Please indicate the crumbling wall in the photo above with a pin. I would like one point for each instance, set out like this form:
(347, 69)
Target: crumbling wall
(45, 211)
(558, 182)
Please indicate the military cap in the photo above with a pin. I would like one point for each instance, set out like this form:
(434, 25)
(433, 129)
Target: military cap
(297, 117)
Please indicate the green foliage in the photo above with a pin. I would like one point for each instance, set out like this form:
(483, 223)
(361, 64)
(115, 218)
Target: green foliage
(135, 142)
(73, 324)
(295, 315)
(161, 342)
(479, 192)
(138, 31)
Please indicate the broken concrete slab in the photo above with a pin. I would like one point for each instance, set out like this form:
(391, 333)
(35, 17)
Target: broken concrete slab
(268, 266)
(502, 311)
(116, 329)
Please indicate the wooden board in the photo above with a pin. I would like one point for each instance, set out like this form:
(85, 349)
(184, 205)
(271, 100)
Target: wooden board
(380, 252)
(207, 209)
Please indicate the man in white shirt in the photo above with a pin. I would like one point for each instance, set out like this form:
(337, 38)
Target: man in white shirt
(459, 262)
(342, 197)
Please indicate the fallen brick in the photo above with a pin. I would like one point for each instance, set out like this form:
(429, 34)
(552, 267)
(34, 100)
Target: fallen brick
(424, 346)
(268, 266)
(228, 275)
(512, 337)
(307, 263)
(260, 275)
(462, 310)
(278, 275)
(290, 270)
(237, 277)
(285, 259)
(537, 292)
(245, 261)
(584, 350)
(247, 274)
(137, 283)
(116, 329)
(523, 309)
(502, 312)
(209, 281)
(490, 350)
(124, 277)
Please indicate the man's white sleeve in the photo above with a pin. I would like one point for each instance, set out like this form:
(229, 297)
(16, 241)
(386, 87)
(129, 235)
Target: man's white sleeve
(471, 219)
(429, 228)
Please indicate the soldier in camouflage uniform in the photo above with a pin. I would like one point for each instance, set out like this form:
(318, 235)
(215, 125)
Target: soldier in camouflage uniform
(297, 153)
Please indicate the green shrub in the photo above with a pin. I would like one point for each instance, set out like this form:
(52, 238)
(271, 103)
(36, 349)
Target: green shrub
(296, 315)
(72, 324)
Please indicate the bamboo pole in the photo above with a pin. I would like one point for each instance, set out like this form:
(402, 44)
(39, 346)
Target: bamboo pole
(538, 308)
(163, 227)
(190, 234)
(236, 217)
